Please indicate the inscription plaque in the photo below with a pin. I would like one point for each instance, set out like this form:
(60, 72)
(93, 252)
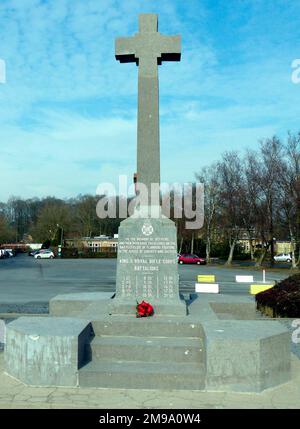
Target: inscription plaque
(147, 266)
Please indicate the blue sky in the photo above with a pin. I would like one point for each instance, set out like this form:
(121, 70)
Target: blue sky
(68, 108)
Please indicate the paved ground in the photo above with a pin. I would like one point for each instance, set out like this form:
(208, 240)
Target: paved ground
(14, 394)
(27, 280)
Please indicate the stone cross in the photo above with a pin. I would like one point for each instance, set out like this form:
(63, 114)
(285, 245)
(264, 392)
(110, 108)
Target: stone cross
(148, 48)
(147, 251)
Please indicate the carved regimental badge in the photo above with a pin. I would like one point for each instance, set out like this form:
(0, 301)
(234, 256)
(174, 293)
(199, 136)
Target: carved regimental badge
(147, 229)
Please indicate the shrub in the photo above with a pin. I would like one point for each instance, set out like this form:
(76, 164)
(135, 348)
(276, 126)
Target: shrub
(69, 252)
(283, 298)
(91, 254)
(220, 250)
(241, 256)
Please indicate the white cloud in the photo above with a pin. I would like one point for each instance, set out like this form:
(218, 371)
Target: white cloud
(68, 109)
(70, 154)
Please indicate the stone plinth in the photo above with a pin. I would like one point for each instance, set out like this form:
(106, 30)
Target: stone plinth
(246, 356)
(45, 351)
(70, 304)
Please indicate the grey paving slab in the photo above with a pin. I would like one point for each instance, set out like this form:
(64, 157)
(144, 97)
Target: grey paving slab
(14, 395)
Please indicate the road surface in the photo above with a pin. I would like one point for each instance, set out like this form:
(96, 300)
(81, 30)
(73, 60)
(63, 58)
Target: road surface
(28, 281)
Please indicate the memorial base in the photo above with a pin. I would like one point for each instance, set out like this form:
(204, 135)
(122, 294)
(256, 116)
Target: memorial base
(200, 351)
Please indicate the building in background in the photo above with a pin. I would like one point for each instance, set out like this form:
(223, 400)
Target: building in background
(283, 246)
(101, 243)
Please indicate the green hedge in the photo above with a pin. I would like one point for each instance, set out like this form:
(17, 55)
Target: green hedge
(91, 254)
(72, 252)
(283, 300)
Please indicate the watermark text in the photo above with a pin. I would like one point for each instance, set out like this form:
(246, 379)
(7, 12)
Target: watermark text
(295, 77)
(172, 200)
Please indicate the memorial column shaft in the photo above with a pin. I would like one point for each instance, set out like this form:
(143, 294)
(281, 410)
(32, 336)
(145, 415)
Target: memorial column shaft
(148, 147)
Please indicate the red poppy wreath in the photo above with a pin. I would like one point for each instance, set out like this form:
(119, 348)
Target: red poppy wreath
(144, 309)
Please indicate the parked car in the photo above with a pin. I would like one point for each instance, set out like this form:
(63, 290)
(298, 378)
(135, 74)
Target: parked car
(34, 252)
(3, 254)
(9, 252)
(6, 253)
(188, 258)
(44, 254)
(283, 257)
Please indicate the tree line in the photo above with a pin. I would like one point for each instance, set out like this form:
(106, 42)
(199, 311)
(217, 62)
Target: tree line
(43, 219)
(256, 194)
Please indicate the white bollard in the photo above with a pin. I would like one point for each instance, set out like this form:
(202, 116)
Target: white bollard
(207, 288)
(244, 279)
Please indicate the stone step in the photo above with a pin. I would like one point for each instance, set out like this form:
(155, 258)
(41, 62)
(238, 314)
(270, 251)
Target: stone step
(150, 349)
(146, 327)
(138, 375)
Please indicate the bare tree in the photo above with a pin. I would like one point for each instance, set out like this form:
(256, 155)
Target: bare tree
(272, 169)
(7, 233)
(232, 192)
(263, 172)
(50, 218)
(290, 193)
(209, 177)
(85, 214)
(254, 206)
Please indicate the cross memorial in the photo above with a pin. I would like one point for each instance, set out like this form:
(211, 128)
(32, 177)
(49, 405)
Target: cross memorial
(147, 251)
(148, 48)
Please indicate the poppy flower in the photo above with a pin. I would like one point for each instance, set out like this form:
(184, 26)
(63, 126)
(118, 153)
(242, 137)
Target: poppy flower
(144, 309)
